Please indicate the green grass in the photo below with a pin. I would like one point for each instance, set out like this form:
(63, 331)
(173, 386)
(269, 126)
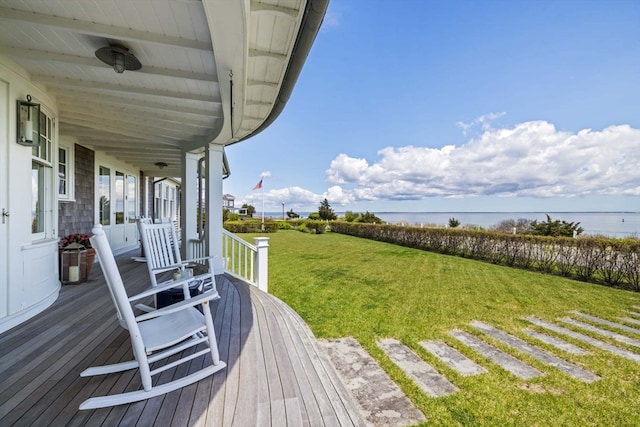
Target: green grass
(345, 286)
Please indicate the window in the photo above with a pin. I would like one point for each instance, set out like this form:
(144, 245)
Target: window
(132, 200)
(38, 197)
(65, 173)
(104, 192)
(41, 181)
(119, 197)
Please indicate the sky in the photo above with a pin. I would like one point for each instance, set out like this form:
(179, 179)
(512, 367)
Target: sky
(457, 106)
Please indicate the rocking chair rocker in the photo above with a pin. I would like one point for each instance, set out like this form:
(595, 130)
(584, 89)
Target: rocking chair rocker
(155, 335)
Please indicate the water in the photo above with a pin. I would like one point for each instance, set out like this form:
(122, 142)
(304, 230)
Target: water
(612, 224)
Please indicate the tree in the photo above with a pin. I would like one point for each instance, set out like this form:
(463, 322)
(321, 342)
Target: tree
(350, 216)
(326, 212)
(250, 209)
(453, 223)
(370, 218)
(522, 226)
(555, 228)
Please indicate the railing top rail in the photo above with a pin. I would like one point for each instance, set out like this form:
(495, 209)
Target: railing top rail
(239, 240)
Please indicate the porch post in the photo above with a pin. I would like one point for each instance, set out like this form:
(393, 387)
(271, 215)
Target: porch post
(213, 223)
(189, 202)
(262, 263)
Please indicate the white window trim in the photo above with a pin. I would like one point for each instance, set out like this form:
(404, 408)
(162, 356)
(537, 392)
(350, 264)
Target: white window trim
(71, 175)
(50, 164)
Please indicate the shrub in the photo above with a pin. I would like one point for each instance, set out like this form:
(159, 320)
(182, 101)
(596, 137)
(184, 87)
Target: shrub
(315, 227)
(251, 226)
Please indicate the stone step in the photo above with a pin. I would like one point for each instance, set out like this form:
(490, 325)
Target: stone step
(620, 338)
(453, 358)
(381, 401)
(536, 352)
(424, 375)
(634, 313)
(607, 323)
(499, 357)
(584, 338)
(556, 342)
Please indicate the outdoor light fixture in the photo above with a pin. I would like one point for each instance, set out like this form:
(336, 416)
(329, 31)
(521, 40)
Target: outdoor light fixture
(161, 165)
(28, 128)
(119, 58)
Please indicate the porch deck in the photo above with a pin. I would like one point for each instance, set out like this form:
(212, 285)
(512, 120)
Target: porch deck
(275, 374)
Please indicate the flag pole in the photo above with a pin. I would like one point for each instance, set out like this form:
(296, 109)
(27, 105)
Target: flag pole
(262, 188)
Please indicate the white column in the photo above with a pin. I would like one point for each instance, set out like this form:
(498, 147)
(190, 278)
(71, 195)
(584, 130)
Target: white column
(189, 202)
(214, 162)
(262, 263)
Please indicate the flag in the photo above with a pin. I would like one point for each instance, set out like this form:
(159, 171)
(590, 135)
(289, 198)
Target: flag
(258, 185)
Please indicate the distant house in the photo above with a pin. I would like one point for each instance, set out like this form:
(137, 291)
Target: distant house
(228, 202)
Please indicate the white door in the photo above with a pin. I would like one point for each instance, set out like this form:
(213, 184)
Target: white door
(117, 206)
(4, 196)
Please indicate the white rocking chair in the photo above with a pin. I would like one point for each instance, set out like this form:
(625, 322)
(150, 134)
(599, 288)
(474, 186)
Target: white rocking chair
(155, 335)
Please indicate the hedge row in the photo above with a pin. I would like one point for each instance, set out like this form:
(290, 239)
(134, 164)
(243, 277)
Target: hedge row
(250, 226)
(614, 262)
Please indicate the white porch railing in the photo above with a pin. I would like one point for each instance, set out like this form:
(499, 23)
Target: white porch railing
(240, 259)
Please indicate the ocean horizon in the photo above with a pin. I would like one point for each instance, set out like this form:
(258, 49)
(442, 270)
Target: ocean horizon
(619, 224)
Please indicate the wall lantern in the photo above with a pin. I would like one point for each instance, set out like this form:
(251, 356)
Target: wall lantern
(73, 264)
(28, 131)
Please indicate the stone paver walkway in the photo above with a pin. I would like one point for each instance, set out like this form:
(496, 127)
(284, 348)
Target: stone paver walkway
(630, 320)
(620, 338)
(382, 403)
(499, 357)
(380, 399)
(607, 322)
(556, 342)
(538, 353)
(423, 374)
(584, 338)
(453, 358)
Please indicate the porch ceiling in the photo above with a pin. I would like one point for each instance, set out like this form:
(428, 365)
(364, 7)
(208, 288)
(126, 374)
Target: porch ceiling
(180, 100)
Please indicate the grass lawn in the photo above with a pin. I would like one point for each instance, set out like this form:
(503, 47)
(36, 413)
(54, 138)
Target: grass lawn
(346, 286)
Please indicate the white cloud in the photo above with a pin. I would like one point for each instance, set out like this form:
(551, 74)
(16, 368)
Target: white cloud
(484, 122)
(531, 159)
(346, 169)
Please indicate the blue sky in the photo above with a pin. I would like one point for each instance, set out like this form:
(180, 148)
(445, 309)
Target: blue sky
(427, 106)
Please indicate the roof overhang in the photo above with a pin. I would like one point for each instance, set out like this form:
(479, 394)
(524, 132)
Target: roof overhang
(213, 71)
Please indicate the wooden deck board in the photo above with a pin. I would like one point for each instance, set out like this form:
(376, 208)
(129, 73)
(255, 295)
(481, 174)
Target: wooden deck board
(274, 376)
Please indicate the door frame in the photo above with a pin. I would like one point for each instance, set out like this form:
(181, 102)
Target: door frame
(4, 198)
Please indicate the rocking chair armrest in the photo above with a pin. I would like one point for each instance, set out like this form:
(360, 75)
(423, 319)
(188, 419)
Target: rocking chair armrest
(161, 288)
(187, 303)
(188, 261)
(178, 266)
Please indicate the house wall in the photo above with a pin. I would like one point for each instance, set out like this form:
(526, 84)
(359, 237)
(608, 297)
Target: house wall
(29, 266)
(78, 216)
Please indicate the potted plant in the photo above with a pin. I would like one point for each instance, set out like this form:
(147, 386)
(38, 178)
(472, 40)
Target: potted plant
(83, 239)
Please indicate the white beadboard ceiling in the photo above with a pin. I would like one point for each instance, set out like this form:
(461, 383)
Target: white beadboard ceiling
(180, 98)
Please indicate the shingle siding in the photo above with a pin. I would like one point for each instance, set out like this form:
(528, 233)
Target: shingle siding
(78, 216)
